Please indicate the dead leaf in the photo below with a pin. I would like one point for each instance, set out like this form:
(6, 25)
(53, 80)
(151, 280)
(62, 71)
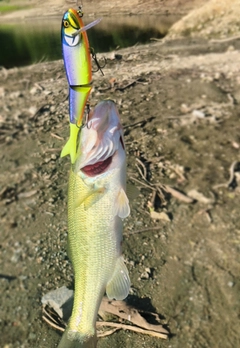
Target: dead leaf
(159, 216)
(119, 309)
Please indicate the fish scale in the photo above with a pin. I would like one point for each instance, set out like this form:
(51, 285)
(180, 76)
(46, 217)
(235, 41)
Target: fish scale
(91, 250)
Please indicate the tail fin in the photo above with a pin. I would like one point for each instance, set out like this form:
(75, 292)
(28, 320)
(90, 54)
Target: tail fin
(72, 339)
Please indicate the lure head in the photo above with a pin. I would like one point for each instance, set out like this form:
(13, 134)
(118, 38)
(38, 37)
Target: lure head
(75, 49)
(71, 24)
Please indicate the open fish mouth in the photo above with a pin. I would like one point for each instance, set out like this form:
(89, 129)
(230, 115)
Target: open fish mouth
(97, 168)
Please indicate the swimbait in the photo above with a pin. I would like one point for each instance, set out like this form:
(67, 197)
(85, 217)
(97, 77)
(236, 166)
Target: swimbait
(97, 203)
(78, 67)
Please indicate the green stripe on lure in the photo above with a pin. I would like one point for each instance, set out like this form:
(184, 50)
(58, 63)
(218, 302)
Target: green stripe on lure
(78, 66)
(97, 203)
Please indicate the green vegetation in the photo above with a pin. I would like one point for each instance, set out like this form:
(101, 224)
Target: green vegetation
(30, 42)
(5, 7)
(25, 44)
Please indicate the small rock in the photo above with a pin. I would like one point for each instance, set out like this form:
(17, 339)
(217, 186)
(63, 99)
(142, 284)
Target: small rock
(15, 95)
(16, 255)
(184, 109)
(144, 275)
(8, 140)
(32, 110)
(61, 300)
(53, 157)
(52, 109)
(235, 145)
(198, 114)
(34, 90)
(47, 92)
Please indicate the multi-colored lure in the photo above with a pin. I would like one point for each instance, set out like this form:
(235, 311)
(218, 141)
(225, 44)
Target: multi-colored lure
(78, 66)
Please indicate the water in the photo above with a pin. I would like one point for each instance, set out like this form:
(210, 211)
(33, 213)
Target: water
(24, 43)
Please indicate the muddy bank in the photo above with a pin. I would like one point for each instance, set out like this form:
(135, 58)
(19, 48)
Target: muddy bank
(180, 113)
(36, 8)
(214, 19)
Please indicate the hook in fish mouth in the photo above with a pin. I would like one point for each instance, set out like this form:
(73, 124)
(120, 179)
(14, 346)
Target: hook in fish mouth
(97, 168)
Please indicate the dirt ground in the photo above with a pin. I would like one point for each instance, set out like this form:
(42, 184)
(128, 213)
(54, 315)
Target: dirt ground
(180, 114)
(33, 8)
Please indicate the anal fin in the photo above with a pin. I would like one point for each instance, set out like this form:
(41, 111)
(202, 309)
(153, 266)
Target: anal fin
(119, 285)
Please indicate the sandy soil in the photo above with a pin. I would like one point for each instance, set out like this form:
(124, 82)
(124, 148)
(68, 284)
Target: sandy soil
(181, 122)
(102, 7)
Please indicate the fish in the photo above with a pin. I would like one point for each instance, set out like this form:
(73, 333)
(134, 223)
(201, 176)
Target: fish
(78, 66)
(97, 205)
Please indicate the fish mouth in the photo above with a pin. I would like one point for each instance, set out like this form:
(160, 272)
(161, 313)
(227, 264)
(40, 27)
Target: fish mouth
(97, 168)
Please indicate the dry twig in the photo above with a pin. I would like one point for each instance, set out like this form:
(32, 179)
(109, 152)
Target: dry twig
(177, 194)
(54, 135)
(119, 326)
(231, 178)
(119, 309)
(144, 173)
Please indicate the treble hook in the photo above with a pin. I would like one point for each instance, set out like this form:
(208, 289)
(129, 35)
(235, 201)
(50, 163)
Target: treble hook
(87, 123)
(94, 57)
(79, 11)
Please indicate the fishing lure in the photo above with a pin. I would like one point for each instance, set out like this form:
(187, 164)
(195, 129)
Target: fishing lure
(78, 66)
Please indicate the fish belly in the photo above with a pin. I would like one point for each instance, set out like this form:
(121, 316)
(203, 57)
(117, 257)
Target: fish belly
(94, 245)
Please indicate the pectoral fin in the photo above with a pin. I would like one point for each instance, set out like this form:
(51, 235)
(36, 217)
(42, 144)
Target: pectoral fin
(89, 198)
(118, 287)
(122, 205)
(94, 197)
(71, 145)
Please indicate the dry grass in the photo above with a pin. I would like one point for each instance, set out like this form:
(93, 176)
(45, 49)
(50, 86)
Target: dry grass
(217, 18)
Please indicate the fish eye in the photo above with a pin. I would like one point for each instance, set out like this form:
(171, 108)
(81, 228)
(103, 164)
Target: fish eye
(65, 24)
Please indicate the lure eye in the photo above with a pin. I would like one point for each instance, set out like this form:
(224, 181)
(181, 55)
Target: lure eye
(65, 24)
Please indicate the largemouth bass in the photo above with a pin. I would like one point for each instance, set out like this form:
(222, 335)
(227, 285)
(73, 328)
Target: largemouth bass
(97, 203)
